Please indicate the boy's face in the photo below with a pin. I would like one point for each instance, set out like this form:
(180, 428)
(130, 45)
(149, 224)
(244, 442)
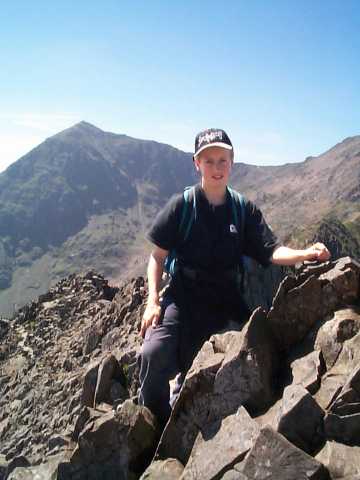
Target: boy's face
(214, 164)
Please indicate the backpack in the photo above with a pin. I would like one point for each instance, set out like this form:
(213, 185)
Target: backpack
(188, 215)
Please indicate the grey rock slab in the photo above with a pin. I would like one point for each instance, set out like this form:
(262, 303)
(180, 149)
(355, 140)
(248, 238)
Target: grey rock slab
(346, 365)
(192, 407)
(344, 279)
(274, 457)
(44, 471)
(169, 469)
(109, 368)
(125, 439)
(343, 428)
(89, 384)
(270, 416)
(344, 324)
(3, 467)
(296, 307)
(348, 400)
(218, 383)
(341, 460)
(247, 372)
(234, 475)
(223, 444)
(300, 419)
(331, 386)
(307, 371)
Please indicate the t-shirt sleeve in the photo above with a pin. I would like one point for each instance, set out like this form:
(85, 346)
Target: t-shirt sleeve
(259, 240)
(164, 230)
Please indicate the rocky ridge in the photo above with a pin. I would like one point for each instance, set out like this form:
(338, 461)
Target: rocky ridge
(84, 198)
(278, 399)
(46, 351)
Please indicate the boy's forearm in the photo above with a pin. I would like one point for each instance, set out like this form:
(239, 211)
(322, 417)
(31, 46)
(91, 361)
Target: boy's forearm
(288, 256)
(154, 273)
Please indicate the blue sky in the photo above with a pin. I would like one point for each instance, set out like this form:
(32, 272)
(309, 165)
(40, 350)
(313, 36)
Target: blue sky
(281, 77)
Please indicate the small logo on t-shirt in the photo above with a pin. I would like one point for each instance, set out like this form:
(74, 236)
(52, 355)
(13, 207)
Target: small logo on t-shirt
(233, 229)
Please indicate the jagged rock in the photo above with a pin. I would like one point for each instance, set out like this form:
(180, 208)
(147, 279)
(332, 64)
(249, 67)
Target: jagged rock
(4, 328)
(296, 308)
(341, 460)
(118, 394)
(217, 384)
(350, 477)
(270, 416)
(247, 371)
(89, 386)
(301, 302)
(109, 369)
(92, 339)
(224, 443)
(334, 380)
(343, 428)
(341, 282)
(347, 401)
(300, 419)
(307, 371)
(39, 336)
(170, 469)
(121, 442)
(234, 475)
(272, 456)
(44, 471)
(16, 462)
(232, 369)
(331, 385)
(192, 406)
(60, 442)
(3, 467)
(344, 324)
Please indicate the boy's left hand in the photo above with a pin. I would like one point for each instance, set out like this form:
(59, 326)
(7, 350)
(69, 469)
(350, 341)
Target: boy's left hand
(317, 251)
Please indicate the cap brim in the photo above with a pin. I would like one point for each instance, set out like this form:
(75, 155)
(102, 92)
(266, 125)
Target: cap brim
(215, 144)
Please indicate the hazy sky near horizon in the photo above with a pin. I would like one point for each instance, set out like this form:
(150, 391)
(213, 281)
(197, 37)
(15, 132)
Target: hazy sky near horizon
(281, 77)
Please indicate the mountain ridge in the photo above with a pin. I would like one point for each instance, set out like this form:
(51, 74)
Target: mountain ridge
(84, 198)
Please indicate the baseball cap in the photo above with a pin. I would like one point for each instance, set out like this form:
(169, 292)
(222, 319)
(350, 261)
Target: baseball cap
(212, 137)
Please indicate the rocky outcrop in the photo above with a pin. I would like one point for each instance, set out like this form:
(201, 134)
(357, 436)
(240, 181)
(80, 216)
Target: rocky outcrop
(278, 399)
(218, 382)
(310, 297)
(341, 460)
(50, 369)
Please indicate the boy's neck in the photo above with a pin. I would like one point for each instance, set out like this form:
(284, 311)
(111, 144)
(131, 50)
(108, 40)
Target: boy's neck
(214, 196)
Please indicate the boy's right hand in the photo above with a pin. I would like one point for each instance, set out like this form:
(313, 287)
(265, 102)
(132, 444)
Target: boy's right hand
(151, 317)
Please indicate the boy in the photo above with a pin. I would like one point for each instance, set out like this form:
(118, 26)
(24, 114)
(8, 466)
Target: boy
(204, 293)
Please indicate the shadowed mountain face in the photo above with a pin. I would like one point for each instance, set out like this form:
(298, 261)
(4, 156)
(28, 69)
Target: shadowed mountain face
(84, 198)
(297, 195)
(49, 194)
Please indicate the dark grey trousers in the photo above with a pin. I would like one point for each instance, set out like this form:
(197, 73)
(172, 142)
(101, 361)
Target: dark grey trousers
(160, 363)
(170, 348)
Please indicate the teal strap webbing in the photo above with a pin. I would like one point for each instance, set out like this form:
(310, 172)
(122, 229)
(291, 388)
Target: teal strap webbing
(191, 200)
(185, 208)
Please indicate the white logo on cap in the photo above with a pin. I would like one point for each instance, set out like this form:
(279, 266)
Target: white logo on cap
(233, 228)
(210, 137)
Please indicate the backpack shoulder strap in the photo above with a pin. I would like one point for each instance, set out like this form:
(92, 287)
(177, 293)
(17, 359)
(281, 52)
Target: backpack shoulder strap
(188, 213)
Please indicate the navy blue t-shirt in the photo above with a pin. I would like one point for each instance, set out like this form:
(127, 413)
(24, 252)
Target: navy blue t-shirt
(213, 244)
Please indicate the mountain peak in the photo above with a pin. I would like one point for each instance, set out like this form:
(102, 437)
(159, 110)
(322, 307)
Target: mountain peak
(81, 129)
(87, 126)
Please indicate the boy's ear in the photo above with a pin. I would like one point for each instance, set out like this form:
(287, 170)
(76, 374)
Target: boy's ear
(196, 162)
